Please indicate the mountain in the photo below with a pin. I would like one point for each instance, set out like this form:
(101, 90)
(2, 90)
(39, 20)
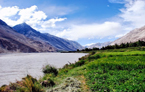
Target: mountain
(98, 45)
(132, 36)
(58, 43)
(11, 41)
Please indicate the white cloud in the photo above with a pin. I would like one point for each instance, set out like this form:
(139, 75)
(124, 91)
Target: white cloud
(91, 31)
(27, 14)
(35, 18)
(131, 16)
(31, 16)
(134, 13)
(89, 44)
(51, 22)
(8, 11)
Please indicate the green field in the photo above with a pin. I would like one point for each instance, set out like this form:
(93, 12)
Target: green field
(116, 70)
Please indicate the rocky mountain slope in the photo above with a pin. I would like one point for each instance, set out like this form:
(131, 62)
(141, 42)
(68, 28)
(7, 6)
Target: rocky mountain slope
(58, 43)
(132, 36)
(11, 41)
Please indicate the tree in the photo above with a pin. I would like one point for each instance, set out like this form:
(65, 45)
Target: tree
(78, 50)
(116, 46)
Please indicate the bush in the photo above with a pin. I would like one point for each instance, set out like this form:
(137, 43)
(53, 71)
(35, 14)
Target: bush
(79, 63)
(93, 57)
(48, 83)
(98, 56)
(50, 69)
(3, 88)
(30, 84)
(27, 84)
(92, 53)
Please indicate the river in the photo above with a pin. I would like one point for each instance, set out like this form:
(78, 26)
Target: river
(15, 66)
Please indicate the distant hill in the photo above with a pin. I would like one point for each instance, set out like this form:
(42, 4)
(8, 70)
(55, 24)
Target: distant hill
(132, 36)
(58, 43)
(98, 45)
(11, 41)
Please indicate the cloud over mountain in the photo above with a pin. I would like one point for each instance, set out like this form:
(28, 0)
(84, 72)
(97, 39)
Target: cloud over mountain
(91, 31)
(134, 13)
(58, 19)
(130, 17)
(34, 17)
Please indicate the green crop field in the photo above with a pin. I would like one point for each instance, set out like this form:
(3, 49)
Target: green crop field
(114, 71)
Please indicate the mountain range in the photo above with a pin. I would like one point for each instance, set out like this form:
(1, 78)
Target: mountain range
(58, 43)
(132, 36)
(23, 38)
(13, 41)
(98, 45)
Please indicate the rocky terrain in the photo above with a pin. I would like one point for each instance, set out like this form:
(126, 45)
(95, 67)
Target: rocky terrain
(132, 36)
(23, 38)
(11, 41)
(58, 43)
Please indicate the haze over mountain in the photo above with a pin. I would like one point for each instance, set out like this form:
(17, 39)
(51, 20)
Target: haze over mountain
(56, 42)
(98, 45)
(132, 36)
(11, 41)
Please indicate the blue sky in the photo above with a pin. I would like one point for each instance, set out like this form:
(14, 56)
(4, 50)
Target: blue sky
(85, 21)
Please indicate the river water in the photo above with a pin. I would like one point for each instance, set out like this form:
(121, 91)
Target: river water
(15, 66)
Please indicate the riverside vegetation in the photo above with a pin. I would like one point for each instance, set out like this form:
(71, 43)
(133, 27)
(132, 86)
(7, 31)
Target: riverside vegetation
(105, 70)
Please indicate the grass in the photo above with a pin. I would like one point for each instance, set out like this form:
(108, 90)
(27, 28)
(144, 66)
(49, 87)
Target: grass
(28, 84)
(121, 73)
(115, 70)
(122, 70)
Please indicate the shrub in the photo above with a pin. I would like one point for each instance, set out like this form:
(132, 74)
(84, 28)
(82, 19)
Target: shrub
(50, 69)
(92, 53)
(30, 84)
(93, 57)
(48, 83)
(82, 58)
(79, 63)
(3, 88)
(97, 56)
(13, 86)
(65, 66)
(27, 84)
